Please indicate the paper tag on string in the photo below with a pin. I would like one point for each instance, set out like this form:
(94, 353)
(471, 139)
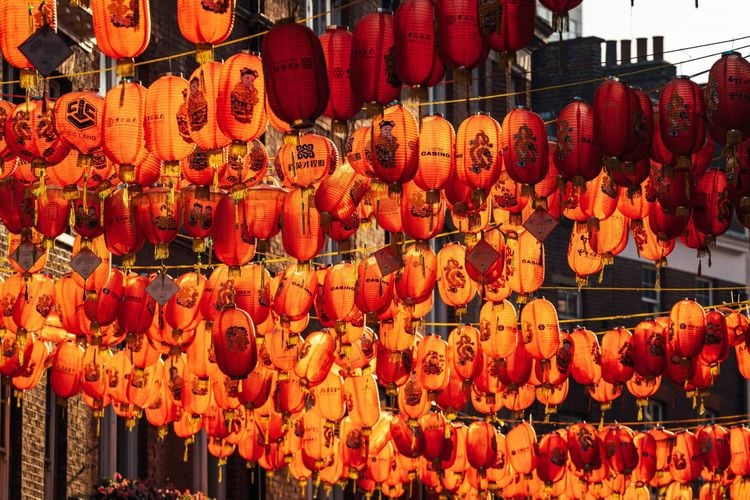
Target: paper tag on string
(389, 260)
(540, 223)
(162, 288)
(27, 254)
(482, 256)
(85, 263)
(46, 50)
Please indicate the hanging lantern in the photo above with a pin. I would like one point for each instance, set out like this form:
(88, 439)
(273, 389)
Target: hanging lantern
(358, 151)
(460, 42)
(454, 287)
(577, 154)
(296, 292)
(101, 308)
(583, 260)
(525, 270)
(122, 33)
(21, 19)
(615, 108)
(681, 123)
(649, 348)
(295, 71)
(685, 464)
(196, 170)
(373, 291)
(437, 155)
(157, 214)
(481, 445)
(465, 353)
(620, 449)
(617, 356)
(205, 24)
(416, 59)
(713, 444)
(307, 162)
(560, 9)
(586, 367)
(739, 441)
(32, 135)
(234, 342)
(262, 208)
(512, 28)
(343, 104)
(339, 293)
(726, 110)
(241, 114)
(432, 363)
(303, 236)
(521, 443)
(524, 146)
(395, 145)
(340, 193)
(53, 214)
(611, 238)
(540, 329)
(121, 233)
(232, 244)
(421, 220)
(688, 329)
(553, 452)
(166, 127)
(78, 118)
(315, 358)
(182, 310)
(203, 111)
(497, 329)
(146, 172)
(65, 375)
(650, 247)
(199, 216)
(711, 208)
(136, 313)
(478, 153)
(124, 112)
(416, 280)
(716, 346)
(373, 68)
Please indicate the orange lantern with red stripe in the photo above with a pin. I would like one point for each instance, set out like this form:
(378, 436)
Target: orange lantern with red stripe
(122, 32)
(205, 24)
(166, 127)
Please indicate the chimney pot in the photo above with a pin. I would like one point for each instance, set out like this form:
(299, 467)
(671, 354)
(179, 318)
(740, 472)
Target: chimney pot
(611, 53)
(658, 48)
(642, 49)
(625, 57)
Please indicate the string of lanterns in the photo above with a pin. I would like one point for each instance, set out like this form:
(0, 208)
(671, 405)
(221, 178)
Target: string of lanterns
(231, 353)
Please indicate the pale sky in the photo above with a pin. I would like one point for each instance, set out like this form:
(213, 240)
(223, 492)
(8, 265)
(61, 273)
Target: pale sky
(681, 24)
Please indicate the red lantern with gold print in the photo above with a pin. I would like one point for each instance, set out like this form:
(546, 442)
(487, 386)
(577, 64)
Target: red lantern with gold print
(205, 24)
(295, 71)
(524, 146)
(727, 108)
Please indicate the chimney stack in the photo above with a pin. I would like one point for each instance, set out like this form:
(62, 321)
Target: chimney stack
(611, 53)
(625, 52)
(642, 49)
(658, 48)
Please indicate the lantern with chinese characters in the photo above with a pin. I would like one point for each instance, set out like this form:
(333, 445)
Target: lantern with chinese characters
(432, 363)
(460, 42)
(166, 127)
(713, 443)
(315, 358)
(577, 154)
(20, 19)
(649, 348)
(79, 119)
(372, 291)
(54, 209)
(121, 233)
(158, 214)
(420, 219)
(32, 135)
(234, 342)
(686, 460)
(521, 444)
(124, 114)
(205, 24)
(586, 366)
(122, 31)
(540, 329)
(203, 112)
(373, 68)
(524, 264)
(481, 445)
(479, 153)
(307, 162)
(67, 364)
(416, 280)
(136, 313)
(512, 28)
(395, 146)
(241, 113)
(726, 93)
(362, 399)
(295, 293)
(615, 106)
(416, 59)
(712, 208)
(524, 146)
(102, 307)
(343, 104)
(303, 235)
(295, 71)
(583, 260)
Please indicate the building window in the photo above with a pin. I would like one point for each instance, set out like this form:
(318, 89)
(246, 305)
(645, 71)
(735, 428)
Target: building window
(568, 304)
(325, 17)
(703, 291)
(654, 411)
(649, 295)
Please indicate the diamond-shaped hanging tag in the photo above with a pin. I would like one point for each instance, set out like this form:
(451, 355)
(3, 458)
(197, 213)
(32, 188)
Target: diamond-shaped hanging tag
(482, 256)
(27, 254)
(46, 50)
(162, 288)
(85, 262)
(540, 223)
(389, 260)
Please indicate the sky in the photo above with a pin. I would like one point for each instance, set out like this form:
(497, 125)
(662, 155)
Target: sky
(681, 24)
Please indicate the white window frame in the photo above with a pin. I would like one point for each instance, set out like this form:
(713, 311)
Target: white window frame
(651, 297)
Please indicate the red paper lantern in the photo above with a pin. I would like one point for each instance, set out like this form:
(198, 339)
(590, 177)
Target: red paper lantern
(584, 446)
(577, 154)
(307, 162)
(524, 145)
(460, 41)
(373, 291)
(688, 328)
(540, 329)
(620, 449)
(437, 155)
(53, 210)
(121, 233)
(686, 462)
(712, 208)
(516, 25)
(714, 445)
(343, 104)
(481, 445)
(303, 236)
(296, 292)
(241, 97)
(20, 19)
(123, 32)
(296, 76)
(262, 208)
(681, 122)
(416, 280)
(166, 126)
(521, 443)
(32, 135)
(478, 152)
(67, 365)
(615, 108)
(232, 243)
(205, 24)
(157, 213)
(136, 313)
(395, 143)
(234, 342)
(373, 68)
(124, 113)
(727, 108)
(420, 219)
(416, 57)
(649, 348)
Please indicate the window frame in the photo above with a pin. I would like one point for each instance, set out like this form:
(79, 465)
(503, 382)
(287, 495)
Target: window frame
(649, 295)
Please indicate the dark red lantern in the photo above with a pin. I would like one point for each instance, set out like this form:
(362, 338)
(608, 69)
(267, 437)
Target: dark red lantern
(232, 243)
(727, 105)
(615, 106)
(233, 335)
(577, 155)
(516, 24)
(681, 119)
(712, 207)
(460, 41)
(415, 46)
(343, 104)
(373, 68)
(524, 146)
(158, 213)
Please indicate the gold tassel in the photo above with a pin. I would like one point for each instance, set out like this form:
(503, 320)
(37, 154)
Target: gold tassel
(29, 78)
(125, 67)
(204, 53)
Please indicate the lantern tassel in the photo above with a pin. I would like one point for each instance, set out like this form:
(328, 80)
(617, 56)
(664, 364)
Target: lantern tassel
(204, 53)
